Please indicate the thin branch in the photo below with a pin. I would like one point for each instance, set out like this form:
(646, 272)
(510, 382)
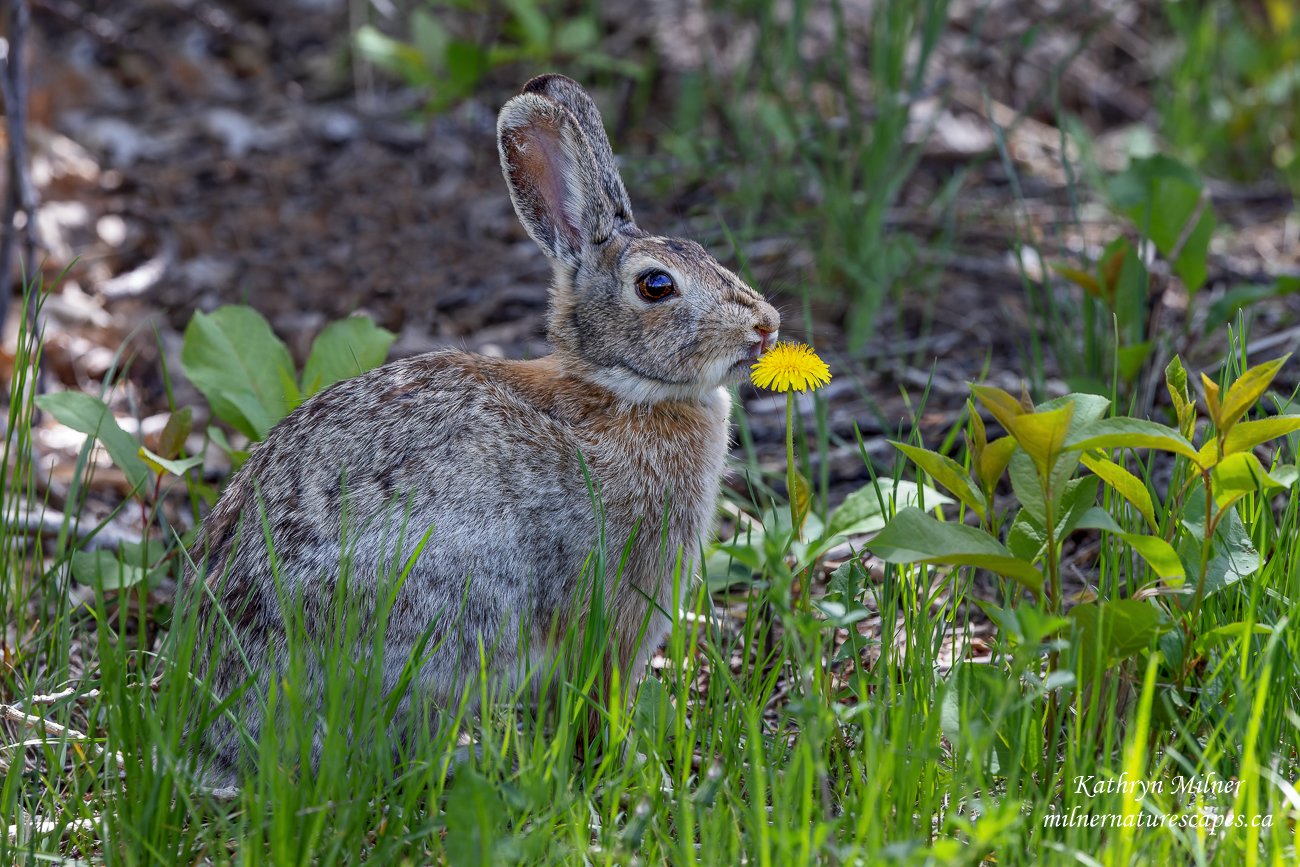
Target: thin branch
(20, 194)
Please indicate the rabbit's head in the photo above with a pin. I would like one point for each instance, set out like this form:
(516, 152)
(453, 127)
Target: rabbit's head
(650, 318)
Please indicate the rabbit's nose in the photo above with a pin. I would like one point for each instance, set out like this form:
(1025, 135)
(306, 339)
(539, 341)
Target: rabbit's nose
(766, 337)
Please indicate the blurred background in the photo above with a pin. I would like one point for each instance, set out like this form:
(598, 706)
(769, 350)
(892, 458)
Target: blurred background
(932, 191)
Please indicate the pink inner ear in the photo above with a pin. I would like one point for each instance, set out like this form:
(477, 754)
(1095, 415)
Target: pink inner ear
(544, 165)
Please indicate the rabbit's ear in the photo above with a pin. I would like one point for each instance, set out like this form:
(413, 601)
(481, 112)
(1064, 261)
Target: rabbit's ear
(578, 102)
(565, 188)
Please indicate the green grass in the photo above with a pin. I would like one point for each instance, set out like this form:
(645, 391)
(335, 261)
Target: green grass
(774, 733)
(779, 728)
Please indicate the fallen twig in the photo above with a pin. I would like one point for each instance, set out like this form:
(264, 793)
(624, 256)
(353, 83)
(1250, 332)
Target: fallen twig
(15, 714)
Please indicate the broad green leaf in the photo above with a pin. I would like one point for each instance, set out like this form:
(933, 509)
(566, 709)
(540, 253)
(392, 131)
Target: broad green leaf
(1078, 496)
(1026, 539)
(1042, 435)
(915, 537)
(1027, 486)
(1133, 433)
(994, 460)
(1163, 198)
(1119, 628)
(172, 439)
(1286, 475)
(233, 357)
(1248, 434)
(89, 415)
(861, 510)
(1125, 484)
(159, 464)
(1246, 391)
(532, 22)
(946, 472)
(1241, 473)
(1232, 554)
(1159, 554)
(1002, 405)
(104, 569)
(345, 349)
(1211, 389)
(1132, 291)
(1230, 632)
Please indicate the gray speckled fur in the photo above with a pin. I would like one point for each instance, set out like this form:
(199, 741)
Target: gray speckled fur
(489, 453)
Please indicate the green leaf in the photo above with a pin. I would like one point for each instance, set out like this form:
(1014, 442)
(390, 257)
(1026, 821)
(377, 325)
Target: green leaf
(345, 349)
(1230, 632)
(1241, 473)
(861, 510)
(430, 39)
(237, 456)
(103, 569)
(1117, 629)
(1246, 391)
(915, 537)
(1026, 539)
(392, 55)
(1163, 197)
(1042, 435)
(1225, 307)
(577, 35)
(1002, 405)
(1184, 408)
(1078, 496)
(1248, 434)
(1158, 554)
(234, 358)
(89, 415)
(1133, 433)
(1026, 486)
(1212, 403)
(994, 459)
(172, 439)
(946, 472)
(160, 464)
(532, 23)
(1232, 554)
(1130, 359)
(1125, 484)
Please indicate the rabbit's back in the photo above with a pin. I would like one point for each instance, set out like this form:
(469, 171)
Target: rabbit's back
(505, 465)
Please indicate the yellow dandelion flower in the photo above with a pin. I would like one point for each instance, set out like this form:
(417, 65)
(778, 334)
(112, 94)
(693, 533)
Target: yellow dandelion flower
(790, 367)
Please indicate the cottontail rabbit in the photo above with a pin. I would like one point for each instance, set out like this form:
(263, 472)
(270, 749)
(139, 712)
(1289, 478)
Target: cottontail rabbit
(499, 457)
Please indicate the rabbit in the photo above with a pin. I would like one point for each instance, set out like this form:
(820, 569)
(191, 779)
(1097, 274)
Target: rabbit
(496, 459)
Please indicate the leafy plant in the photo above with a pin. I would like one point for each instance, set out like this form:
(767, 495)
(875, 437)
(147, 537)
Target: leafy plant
(445, 57)
(1166, 203)
(1230, 100)
(245, 372)
(1181, 550)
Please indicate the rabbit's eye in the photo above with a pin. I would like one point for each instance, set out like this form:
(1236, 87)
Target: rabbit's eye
(655, 286)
